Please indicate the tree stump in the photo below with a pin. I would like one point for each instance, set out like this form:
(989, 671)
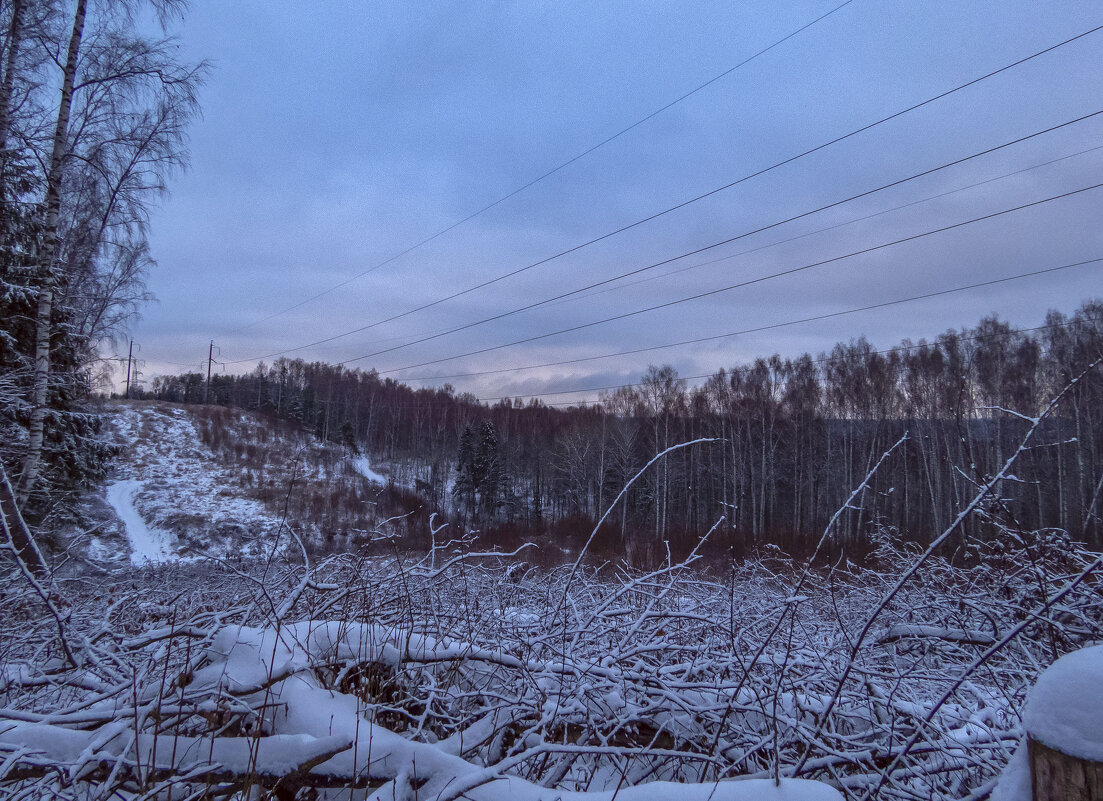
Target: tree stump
(1056, 776)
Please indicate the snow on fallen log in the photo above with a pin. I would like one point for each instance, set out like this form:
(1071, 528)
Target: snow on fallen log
(310, 643)
(313, 735)
(274, 669)
(223, 758)
(905, 631)
(341, 649)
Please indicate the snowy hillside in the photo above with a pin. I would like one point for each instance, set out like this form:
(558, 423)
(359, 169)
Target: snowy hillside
(190, 483)
(173, 496)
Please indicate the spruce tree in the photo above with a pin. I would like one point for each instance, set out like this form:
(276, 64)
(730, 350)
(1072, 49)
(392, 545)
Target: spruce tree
(488, 472)
(463, 490)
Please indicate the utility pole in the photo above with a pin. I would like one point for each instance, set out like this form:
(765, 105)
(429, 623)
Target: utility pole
(210, 358)
(129, 359)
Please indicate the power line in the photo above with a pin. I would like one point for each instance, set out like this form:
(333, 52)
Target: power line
(731, 287)
(834, 227)
(561, 297)
(829, 359)
(552, 171)
(760, 248)
(821, 360)
(685, 203)
(569, 297)
(714, 245)
(747, 368)
(175, 364)
(814, 318)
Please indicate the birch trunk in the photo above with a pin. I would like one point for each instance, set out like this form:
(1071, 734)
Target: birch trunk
(32, 465)
(15, 37)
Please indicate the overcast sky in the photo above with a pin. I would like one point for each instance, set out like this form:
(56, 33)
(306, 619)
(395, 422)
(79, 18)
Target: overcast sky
(336, 136)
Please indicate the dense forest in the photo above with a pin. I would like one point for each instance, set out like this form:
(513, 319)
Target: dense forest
(790, 438)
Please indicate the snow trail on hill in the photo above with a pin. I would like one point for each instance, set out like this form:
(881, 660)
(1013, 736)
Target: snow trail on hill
(146, 544)
(363, 467)
(181, 500)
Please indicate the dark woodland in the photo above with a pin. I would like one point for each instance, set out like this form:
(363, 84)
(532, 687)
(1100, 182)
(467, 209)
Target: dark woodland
(793, 438)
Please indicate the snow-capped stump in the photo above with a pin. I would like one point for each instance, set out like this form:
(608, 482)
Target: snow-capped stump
(1062, 756)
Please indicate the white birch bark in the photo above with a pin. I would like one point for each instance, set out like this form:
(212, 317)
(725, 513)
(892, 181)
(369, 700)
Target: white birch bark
(36, 430)
(15, 37)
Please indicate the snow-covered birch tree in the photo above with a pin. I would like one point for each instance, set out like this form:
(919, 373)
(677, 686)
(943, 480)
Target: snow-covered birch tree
(118, 130)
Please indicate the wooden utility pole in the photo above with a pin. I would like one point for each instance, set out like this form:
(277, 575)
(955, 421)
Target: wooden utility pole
(129, 359)
(210, 358)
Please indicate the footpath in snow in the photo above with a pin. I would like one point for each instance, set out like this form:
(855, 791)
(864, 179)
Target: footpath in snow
(146, 544)
(364, 468)
(173, 494)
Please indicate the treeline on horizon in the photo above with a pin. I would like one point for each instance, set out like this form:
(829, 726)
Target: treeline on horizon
(794, 437)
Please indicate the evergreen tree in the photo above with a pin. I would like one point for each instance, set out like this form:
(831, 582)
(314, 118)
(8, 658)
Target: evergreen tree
(463, 491)
(487, 471)
(72, 456)
(73, 209)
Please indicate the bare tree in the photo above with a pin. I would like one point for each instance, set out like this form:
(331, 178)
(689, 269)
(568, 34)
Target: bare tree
(47, 276)
(119, 131)
(7, 82)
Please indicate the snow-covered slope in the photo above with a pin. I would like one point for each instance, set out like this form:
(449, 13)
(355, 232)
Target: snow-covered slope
(173, 496)
(363, 467)
(147, 543)
(195, 481)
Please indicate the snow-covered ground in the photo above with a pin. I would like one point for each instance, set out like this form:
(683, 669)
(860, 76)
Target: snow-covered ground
(478, 680)
(146, 544)
(173, 496)
(443, 677)
(363, 467)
